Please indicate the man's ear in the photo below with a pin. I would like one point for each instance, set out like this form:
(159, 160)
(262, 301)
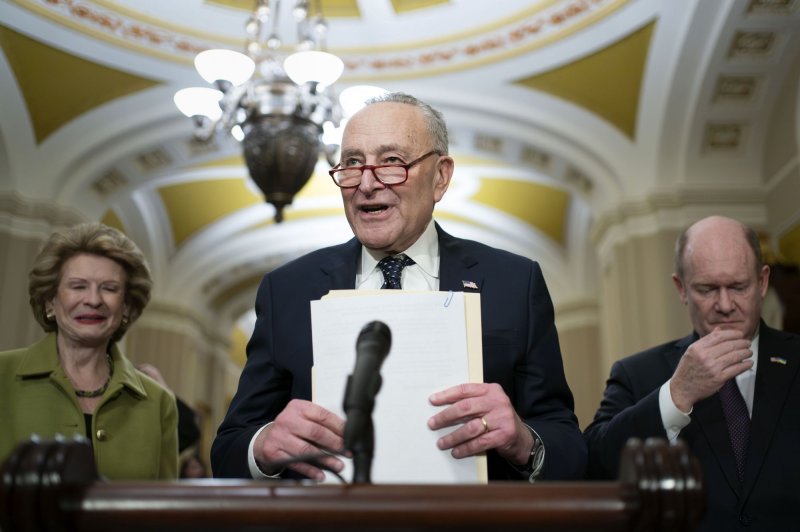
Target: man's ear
(680, 287)
(444, 171)
(763, 281)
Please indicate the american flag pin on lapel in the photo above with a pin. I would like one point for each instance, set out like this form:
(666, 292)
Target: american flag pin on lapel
(470, 284)
(778, 360)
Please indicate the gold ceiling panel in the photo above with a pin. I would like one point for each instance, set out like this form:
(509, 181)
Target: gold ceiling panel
(339, 8)
(403, 6)
(238, 349)
(607, 83)
(319, 185)
(192, 206)
(111, 219)
(244, 5)
(789, 245)
(58, 87)
(541, 206)
(466, 220)
(330, 8)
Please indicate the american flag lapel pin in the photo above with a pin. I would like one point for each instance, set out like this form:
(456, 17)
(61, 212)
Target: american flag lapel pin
(470, 285)
(778, 360)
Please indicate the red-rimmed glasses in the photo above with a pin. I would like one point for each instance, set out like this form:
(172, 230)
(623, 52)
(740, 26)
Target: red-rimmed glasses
(388, 174)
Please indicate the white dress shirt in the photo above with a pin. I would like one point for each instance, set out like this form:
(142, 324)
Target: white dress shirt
(423, 275)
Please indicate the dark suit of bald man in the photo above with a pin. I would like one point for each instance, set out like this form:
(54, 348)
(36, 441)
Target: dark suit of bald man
(769, 497)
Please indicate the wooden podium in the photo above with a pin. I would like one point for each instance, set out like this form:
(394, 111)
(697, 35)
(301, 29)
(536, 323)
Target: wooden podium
(54, 486)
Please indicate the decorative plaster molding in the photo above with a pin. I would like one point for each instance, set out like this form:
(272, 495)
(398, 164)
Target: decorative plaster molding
(26, 218)
(674, 211)
(736, 88)
(521, 33)
(772, 7)
(727, 137)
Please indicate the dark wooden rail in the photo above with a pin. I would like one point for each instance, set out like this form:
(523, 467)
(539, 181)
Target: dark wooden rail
(54, 486)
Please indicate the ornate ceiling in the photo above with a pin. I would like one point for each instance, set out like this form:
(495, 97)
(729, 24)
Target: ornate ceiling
(565, 115)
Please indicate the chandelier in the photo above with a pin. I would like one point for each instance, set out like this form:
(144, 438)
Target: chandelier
(277, 103)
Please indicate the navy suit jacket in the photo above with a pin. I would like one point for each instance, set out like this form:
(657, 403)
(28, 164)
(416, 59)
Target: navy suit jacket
(520, 349)
(769, 497)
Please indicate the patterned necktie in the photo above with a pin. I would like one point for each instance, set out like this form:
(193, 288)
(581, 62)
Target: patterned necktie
(392, 268)
(735, 410)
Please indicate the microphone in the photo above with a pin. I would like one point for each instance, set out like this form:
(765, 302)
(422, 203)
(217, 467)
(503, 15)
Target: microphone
(363, 384)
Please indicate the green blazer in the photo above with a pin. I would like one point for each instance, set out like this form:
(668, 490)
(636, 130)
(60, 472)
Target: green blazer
(134, 428)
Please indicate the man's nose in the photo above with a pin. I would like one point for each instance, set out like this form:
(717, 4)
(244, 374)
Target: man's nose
(725, 301)
(368, 181)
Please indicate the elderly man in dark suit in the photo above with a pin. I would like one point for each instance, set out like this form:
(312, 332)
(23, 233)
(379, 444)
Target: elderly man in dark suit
(394, 168)
(730, 390)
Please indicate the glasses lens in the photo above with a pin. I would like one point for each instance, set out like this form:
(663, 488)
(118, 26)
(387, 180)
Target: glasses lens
(391, 174)
(348, 176)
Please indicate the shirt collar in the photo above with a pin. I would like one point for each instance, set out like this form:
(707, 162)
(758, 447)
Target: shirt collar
(754, 349)
(424, 252)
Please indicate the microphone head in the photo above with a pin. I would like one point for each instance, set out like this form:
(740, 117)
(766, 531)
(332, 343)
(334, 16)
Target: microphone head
(378, 332)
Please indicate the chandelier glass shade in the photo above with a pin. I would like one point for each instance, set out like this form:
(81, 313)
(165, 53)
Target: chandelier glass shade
(218, 64)
(275, 102)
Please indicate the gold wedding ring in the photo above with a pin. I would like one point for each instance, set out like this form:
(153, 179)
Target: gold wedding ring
(485, 425)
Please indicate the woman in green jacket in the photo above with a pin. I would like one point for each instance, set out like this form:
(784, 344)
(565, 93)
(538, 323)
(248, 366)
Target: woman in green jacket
(87, 286)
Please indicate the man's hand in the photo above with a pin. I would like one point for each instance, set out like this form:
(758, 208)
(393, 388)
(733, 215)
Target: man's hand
(302, 428)
(708, 364)
(487, 419)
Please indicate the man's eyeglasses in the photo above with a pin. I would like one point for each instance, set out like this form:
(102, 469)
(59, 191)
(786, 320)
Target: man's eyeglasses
(388, 174)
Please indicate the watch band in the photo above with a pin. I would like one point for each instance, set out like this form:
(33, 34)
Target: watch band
(533, 467)
(536, 460)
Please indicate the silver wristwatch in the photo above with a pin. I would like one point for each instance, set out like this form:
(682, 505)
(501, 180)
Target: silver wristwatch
(533, 467)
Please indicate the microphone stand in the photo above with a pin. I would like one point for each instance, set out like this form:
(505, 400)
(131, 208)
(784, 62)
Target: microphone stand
(359, 432)
(362, 455)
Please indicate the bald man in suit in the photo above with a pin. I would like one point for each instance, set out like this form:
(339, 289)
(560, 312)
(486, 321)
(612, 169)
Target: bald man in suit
(689, 388)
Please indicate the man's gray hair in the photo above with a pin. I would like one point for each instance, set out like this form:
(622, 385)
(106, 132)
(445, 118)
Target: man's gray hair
(437, 128)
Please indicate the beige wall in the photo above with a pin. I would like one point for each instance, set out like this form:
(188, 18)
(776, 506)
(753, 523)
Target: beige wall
(639, 306)
(24, 226)
(580, 348)
(17, 325)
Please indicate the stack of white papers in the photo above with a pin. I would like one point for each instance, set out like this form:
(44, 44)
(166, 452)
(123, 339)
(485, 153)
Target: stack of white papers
(436, 343)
